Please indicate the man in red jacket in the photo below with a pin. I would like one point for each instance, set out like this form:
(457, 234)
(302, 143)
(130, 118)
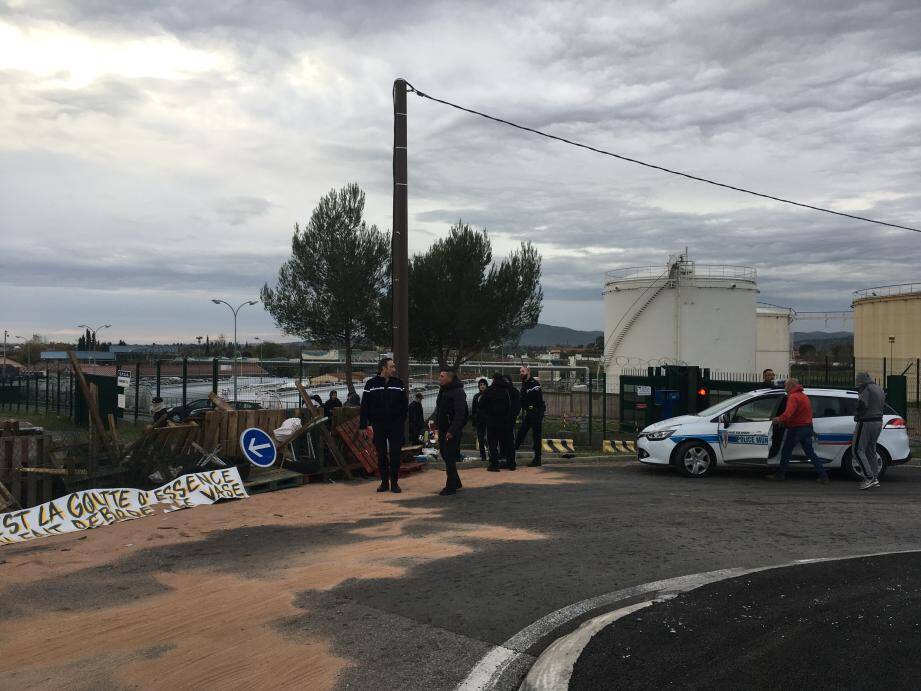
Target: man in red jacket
(797, 418)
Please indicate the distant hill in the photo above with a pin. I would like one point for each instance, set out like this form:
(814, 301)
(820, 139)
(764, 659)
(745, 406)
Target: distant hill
(547, 335)
(822, 337)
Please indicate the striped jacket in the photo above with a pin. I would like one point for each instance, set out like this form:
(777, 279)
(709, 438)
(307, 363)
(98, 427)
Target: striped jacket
(383, 403)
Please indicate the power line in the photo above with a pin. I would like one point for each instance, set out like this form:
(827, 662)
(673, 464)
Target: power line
(422, 94)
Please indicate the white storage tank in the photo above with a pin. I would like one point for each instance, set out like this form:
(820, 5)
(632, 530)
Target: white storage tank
(680, 313)
(774, 339)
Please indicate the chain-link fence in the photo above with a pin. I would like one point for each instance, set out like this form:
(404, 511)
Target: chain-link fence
(576, 408)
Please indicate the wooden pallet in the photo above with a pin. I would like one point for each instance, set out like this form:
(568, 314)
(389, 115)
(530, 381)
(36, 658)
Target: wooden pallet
(358, 444)
(272, 480)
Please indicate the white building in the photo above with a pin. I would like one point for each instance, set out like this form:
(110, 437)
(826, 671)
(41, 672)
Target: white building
(774, 339)
(680, 313)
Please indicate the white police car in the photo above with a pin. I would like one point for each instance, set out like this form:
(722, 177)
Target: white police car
(739, 432)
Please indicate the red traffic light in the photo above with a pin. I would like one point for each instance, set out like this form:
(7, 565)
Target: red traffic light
(702, 391)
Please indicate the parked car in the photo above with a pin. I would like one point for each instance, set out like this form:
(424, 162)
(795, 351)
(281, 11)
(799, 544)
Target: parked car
(195, 410)
(739, 432)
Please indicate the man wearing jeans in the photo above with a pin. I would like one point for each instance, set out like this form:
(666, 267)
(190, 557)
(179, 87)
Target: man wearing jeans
(797, 418)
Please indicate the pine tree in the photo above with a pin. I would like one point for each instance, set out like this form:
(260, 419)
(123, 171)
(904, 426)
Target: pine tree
(332, 289)
(460, 303)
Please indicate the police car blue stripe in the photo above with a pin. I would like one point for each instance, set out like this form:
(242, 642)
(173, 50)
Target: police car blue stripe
(832, 438)
(702, 437)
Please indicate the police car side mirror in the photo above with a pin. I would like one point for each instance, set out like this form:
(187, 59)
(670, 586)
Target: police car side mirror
(725, 420)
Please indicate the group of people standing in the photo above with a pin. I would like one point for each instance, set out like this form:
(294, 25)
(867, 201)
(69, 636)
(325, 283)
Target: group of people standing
(496, 408)
(494, 411)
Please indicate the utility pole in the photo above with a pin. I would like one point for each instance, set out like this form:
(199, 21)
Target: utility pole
(400, 247)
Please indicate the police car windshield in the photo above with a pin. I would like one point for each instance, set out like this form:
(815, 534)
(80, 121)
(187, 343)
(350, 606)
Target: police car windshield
(728, 403)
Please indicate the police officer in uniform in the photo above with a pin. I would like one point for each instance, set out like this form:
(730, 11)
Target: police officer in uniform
(383, 416)
(532, 404)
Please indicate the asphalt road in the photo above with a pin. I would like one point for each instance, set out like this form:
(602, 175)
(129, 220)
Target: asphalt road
(850, 624)
(612, 527)
(605, 527)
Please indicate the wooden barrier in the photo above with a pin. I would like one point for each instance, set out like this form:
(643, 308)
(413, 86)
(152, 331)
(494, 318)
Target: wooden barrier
(20, 453)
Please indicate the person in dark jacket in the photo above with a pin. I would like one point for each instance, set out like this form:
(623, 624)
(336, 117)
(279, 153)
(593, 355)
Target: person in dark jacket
(416, 419)
(383, 415)
(495, 409)
(507, 441)
(450, 418)
(352, 398)
(331, 404)
(479, 418)
(532, 404)
(871, 402)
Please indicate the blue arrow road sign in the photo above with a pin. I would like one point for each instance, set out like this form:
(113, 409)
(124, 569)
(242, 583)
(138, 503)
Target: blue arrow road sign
(258, 447)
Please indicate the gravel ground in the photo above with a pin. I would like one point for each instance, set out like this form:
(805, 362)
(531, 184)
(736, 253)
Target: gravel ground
(849, 624)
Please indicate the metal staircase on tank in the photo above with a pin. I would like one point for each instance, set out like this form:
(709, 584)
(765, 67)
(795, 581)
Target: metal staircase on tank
(623, 328)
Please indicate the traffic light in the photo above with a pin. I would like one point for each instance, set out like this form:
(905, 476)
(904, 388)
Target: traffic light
(703, 398)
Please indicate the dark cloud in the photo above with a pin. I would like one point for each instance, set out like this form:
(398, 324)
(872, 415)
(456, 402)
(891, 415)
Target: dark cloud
(816, 101)
(239, 210)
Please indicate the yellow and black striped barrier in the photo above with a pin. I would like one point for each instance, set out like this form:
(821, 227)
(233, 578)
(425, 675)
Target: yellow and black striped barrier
(618, 446)
(558, 445)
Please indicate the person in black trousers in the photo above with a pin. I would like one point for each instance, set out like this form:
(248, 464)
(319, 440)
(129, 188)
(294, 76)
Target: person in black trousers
(416, 419)
(532, 403)
(479, 418)
(507, 440)
(383, 415)
(495, 409)
(450, 417)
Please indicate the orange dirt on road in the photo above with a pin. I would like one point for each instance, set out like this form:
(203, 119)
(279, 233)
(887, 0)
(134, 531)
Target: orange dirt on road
(176, 601)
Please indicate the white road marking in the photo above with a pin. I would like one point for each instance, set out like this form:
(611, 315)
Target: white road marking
(554, 667)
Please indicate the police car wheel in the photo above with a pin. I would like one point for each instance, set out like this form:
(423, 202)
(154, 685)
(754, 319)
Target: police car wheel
(695, 459)
(851, 465)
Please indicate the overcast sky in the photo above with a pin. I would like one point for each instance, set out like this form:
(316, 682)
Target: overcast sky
(155, 155)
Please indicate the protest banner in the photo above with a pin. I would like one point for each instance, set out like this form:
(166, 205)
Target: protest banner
(97, 507)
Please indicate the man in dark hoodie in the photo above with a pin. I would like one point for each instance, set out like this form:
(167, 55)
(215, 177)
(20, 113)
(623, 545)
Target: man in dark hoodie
(495, 409)
(479, 417)
(507, 440)
(450, 417)
(383, 414)
(871, 402)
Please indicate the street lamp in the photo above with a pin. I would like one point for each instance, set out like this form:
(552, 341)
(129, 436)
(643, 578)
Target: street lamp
(261, 343)
(93, 343)
(891, 343)
(5, 334)
(28, 352)
(235, 348)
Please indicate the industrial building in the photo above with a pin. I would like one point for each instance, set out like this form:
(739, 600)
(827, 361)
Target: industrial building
(773, 339)
(684, 312)
(887, 322)
(690, 313)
